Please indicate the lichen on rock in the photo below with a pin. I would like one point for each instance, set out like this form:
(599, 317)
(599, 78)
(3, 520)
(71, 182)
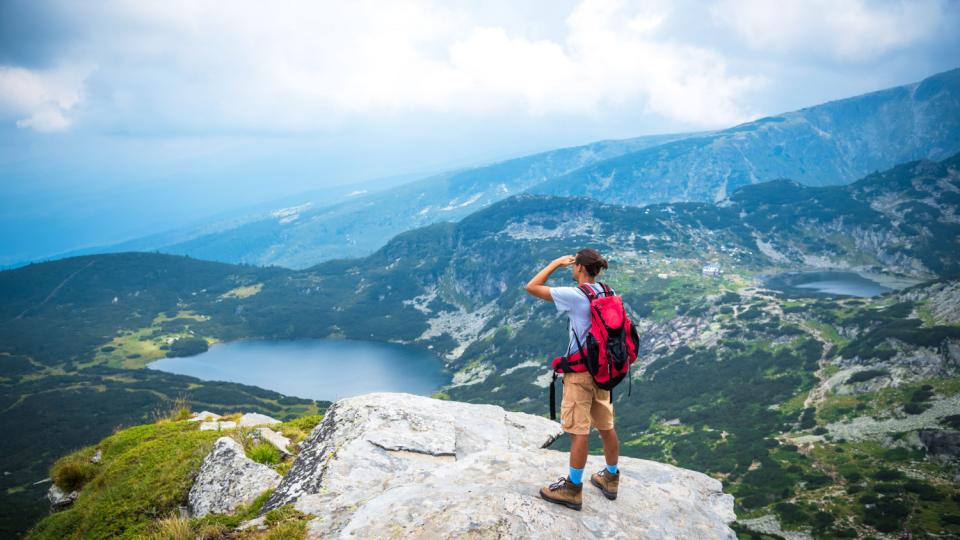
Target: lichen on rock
(389, 465)
(228, 479)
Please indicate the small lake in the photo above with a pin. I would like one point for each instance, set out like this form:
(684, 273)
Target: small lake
(827, 283)
(316, 369)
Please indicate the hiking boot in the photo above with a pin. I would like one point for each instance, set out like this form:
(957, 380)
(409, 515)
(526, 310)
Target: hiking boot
(608, 483)
(564, 492)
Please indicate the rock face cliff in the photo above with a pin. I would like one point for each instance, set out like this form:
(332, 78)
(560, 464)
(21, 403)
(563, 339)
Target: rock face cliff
(392, 465)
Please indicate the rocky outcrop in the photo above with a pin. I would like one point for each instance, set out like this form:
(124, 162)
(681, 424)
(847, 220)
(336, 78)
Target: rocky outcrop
(770, 525)
(228, 479)
(278, 441)
(256, 419)
(60, 499)
(217, 425)
(404, 466)
(940, 444)
(204, 416)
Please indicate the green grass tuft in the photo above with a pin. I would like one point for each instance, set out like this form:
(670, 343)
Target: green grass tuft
(264, 453)
(73, 471)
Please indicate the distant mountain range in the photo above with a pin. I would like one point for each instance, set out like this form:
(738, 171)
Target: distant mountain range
(829, 144)
(833, 143)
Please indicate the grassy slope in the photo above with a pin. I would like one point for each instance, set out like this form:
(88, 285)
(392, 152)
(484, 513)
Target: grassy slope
(144, 475)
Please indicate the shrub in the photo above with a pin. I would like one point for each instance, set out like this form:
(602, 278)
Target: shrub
(866, 375)
(897, 454)
(886, 515)
(925, 491)
(914, 408)
(853, 476)
(886, 475)
(822, 520)
(72, 472)
(791, 514)
(187, 347)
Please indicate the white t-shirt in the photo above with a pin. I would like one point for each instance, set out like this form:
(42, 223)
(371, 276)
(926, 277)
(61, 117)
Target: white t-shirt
(573, 301)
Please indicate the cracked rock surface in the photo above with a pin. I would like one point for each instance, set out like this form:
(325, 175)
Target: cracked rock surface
(227, 479)
(390, 465)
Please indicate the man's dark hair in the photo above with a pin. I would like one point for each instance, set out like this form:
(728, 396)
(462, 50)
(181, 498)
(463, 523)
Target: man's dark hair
(591, 260)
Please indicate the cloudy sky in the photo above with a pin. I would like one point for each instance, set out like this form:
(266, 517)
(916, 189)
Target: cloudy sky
(120, 118)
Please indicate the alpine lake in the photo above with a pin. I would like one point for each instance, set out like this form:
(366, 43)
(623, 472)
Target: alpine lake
(831, 283)
(321, 369)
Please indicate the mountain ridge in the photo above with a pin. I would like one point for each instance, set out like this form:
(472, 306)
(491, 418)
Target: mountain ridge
(827, 144)
(832, 143)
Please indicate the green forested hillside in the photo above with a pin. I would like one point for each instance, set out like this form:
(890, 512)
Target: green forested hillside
(808, 409)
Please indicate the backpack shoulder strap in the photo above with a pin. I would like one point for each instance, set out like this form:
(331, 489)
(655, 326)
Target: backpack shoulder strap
(607, 291)
(587, 290)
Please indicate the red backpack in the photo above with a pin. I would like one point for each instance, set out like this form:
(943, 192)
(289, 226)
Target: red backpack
(611, 345)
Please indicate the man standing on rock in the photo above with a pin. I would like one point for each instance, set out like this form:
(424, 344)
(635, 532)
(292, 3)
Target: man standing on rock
(583, 404)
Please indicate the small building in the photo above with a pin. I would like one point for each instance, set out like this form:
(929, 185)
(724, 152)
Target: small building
(711, 270)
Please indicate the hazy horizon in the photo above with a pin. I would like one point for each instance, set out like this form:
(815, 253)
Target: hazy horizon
(122, 119)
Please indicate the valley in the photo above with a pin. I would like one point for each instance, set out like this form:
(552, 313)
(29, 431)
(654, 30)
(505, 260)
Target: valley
(827, 416)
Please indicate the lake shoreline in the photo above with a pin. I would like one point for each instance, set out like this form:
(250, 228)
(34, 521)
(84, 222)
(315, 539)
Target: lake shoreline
(320, 369)
(839, 282)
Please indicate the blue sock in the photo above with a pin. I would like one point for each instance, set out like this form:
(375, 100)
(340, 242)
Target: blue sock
(612, 469)
(576, 476)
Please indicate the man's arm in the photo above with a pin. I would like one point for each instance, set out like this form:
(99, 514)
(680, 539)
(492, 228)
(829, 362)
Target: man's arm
(537, 286)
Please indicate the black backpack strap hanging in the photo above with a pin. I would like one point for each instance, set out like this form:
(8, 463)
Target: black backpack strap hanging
(553, 397)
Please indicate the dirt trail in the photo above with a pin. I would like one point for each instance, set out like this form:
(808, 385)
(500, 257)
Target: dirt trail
(54, 291)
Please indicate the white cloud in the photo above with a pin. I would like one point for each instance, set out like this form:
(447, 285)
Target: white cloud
(848, 30)
(41, 99)
(202, 66)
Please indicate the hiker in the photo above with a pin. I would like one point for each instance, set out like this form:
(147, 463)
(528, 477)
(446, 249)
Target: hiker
(583, 404)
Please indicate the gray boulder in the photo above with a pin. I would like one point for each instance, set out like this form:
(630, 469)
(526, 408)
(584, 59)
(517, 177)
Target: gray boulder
(278, 441)
(227, 479)
(404, 466)
(217, 425)
(60, 499)
(257, 419)
(204, 416)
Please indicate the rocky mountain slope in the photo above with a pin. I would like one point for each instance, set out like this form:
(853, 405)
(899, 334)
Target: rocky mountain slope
(399, 466)
(833, 143)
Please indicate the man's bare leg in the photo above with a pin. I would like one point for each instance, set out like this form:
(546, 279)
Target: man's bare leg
(578, 450)
(611, 446)
(608, 479)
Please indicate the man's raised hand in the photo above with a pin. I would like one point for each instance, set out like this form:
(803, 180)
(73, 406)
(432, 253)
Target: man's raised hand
(565, 260)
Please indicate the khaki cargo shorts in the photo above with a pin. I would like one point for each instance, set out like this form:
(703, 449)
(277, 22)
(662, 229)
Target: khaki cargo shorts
(584, 405)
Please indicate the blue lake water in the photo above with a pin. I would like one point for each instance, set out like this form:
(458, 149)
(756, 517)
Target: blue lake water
(825, 284)
(316, 369)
